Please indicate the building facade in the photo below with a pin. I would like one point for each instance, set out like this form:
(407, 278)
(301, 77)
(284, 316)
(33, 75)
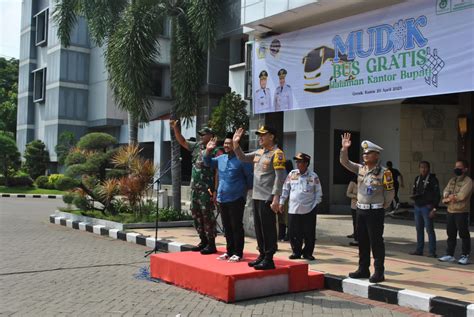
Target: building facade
(67, 89)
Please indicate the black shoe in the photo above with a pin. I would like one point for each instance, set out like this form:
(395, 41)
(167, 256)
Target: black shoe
(351, 236)
(200, 246)
(265, 265)
(256, 261)
(360, 274)
(209, 250)
(354, 243)
(211, 247)
(294, 256)
(415, 253)
(309, 257)
(433, 255)
(377, 278)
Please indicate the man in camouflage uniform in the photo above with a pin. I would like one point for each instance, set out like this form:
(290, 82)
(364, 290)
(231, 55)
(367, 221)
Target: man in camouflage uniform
(202, 186)
(375, 193)
(269, 175)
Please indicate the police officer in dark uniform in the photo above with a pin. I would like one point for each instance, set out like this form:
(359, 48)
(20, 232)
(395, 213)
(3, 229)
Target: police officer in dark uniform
(263, 99)
(269, 175)
(375, 192)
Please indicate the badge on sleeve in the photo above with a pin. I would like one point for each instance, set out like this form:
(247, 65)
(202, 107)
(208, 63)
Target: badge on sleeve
(388, 180)
(279, 160)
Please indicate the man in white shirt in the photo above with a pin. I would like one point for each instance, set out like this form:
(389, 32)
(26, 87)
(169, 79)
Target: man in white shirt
(304, 189)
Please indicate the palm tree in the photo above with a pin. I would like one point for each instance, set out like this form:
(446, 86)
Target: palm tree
(129, 30)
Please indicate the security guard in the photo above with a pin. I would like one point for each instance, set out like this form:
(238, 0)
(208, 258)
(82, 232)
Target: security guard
(283, 95)
(269, 175)
(202, 183)
(304, 189)
(375, 193)
(263, 99)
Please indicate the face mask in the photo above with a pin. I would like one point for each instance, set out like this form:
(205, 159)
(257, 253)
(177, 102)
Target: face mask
(458, 171)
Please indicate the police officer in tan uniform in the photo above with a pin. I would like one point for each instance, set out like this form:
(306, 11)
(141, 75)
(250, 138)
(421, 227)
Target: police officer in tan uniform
(269, 175)
(374, 194)
(283, 94)
(263, 99)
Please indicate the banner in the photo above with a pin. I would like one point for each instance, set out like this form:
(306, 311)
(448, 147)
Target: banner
(420, 48)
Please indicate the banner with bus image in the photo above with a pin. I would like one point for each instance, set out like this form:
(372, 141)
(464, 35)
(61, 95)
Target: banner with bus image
(419, 48)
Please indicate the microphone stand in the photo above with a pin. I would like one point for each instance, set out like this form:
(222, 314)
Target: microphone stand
(158, 187)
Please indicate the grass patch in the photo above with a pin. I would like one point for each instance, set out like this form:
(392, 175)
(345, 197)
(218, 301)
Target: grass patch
(166, 214)
(30, 190)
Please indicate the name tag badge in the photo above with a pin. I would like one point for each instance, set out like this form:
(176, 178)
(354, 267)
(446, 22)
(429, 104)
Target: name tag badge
(370, 190)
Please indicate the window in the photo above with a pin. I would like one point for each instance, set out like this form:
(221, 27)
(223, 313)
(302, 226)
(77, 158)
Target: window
(248, 70)
(160, 81)
(41, 20)
(39, 85)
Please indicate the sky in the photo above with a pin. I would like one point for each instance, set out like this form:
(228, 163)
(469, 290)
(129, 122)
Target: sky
(10, 15)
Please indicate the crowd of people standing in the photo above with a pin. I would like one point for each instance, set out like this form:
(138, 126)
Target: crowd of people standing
(224, 176)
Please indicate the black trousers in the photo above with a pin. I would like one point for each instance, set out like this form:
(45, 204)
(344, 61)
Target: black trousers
(370, 225)
(302, 228)
(458, 222)
(232, 214)
(354, 223)
(265, 228)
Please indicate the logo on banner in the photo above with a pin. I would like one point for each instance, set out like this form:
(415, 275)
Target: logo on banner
(318, 69)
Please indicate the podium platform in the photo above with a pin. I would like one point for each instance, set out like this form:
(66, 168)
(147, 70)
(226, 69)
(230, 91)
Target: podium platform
(232, 282)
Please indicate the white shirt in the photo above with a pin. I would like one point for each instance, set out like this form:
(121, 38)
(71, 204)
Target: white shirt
(304, 191)
(283, 98)
(263, 100)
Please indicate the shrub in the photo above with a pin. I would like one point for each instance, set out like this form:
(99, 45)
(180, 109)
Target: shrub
(66, 183)
(81, 202)
(20, 181)
(36, 158)
(53, 178)
(68, 198)
(42, 181)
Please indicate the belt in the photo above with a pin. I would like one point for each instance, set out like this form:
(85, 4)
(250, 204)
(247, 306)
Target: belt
(369, 206)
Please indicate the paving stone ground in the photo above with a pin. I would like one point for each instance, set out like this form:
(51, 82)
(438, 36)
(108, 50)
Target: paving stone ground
(51, 270)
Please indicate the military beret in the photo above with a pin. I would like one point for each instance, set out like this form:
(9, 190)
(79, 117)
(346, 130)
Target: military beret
(282, 73)
(302, 157)
(370, 147)
(265, 129)
(206, 130)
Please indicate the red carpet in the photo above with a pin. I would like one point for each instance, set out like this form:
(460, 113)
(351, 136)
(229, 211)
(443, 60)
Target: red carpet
(232, 281)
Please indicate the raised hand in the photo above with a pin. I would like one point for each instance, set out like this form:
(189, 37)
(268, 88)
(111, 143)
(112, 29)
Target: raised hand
(238, 135)
(173, 123)
(211, 145)
(346, 140)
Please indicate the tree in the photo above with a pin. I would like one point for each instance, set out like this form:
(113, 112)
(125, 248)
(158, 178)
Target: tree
(8, 94)
(229, 115)
(36, 158)
(9, 157)
(129, 31)
(90, 163)
(66, 142)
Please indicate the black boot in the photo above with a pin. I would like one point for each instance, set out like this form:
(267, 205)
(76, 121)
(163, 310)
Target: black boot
(360, 274)
(256, 261)
(210, 248)
(281, 231)
(201, 244)
(377, 277)
(266, 264)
